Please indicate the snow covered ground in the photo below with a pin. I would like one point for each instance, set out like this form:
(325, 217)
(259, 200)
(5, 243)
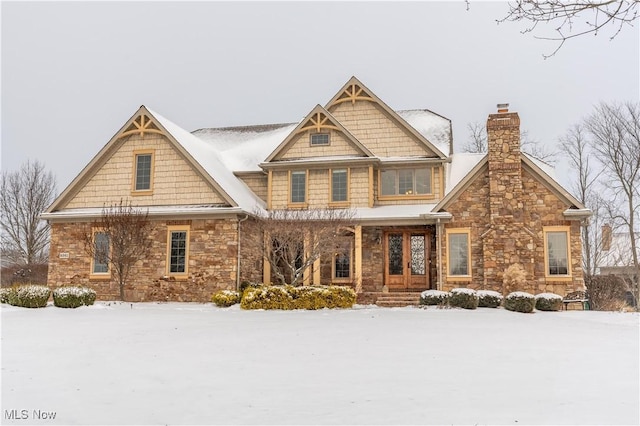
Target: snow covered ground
(183, 363)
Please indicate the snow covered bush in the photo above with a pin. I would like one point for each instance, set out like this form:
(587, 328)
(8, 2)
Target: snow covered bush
(514, 278)
(247, 284)
(225, 298)
(548, 302)
(5, 293)
(288, 297)
(30, 296)
(73, 297)
(489, 299)
(519, 301)
(465, 298)
(434, 298)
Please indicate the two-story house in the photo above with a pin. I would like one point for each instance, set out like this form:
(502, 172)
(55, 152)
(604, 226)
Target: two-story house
(424, 216)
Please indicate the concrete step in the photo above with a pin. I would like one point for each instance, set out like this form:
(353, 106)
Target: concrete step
(398, 299)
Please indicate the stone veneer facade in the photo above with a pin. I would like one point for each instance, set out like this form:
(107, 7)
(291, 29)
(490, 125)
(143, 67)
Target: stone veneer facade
(212, 262)
(506, 209)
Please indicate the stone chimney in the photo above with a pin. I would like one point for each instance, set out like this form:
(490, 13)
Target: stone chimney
(505, 175)
(607, 237)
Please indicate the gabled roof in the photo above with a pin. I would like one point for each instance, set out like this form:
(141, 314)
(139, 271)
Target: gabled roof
(354, 90)
(466, 167)
(199, 154)
(319, 118)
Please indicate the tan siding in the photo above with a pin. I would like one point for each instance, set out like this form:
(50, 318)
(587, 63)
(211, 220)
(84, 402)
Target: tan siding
(377, 131)
(279, 190)
(300, 147)
(359, 187)
(318, 189)
(174, 181)
(257, 183)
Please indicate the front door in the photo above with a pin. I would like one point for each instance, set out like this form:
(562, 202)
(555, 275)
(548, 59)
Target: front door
(407, 260)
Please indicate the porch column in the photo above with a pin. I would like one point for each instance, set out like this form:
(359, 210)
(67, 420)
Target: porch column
(316, 265)
(358, 265)
(306, 275)
(266, 266)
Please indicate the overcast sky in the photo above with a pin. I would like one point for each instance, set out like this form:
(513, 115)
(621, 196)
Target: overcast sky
(73, 73)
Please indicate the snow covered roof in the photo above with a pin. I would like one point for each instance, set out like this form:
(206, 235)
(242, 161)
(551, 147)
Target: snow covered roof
(208, 157)
(435, 128)
(619, 253)
(196, 209)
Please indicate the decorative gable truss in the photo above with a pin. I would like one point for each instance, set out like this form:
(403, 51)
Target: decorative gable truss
(374, 114)
(140, 161)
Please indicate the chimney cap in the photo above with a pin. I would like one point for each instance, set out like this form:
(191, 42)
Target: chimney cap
(502, 108)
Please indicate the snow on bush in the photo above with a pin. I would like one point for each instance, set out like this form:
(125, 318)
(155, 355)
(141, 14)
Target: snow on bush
(520, 301)
(548, 302)
(30, 296)
(287, 297)
(489, 298)
(5, 293)
(434, 297)
(73, 297)
(465, 298)
(225, 298)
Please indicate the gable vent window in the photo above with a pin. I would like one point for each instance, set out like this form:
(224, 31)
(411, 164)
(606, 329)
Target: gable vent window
(319, 139)
(143, 171)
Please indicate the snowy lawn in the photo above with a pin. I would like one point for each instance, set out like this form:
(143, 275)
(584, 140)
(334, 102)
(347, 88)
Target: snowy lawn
(184, 363)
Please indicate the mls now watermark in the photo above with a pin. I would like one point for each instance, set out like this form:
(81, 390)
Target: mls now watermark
(29, 415)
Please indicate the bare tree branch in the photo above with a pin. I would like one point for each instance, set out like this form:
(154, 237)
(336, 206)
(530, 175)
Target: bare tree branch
(128, 232)
(293, 240)
(25, 195)
(573, 19)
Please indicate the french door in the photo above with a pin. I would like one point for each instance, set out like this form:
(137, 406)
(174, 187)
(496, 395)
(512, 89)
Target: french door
(406, 260)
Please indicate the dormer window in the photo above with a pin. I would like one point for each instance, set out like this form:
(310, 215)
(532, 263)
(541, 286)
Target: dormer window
(319, 139)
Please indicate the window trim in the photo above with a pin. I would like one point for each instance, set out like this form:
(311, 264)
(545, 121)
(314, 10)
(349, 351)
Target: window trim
(98, 275)
(311, 135)
(134, 174)
(348, 189)
(170, 230)
(458, 231)
(351, 266)
(298, 204)
(428, 195)
(560, 277)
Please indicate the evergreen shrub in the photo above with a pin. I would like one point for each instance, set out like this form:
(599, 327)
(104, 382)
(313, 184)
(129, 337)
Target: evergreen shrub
(5, 292)
(548, 302)
(30, 296)
(489, 298)
(73, 297)
(287, 297)
(434, 298)
(225, 298)
(465, 298)
(520, 301)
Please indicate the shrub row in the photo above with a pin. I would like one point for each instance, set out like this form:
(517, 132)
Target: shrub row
(37, 296)
(226, 298)
(287, 297)
(466, 298)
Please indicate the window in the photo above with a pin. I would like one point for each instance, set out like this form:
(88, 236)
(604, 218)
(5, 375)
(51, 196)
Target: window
(406, 182)
(557, 258)
(298, 186)
(178, 251)
(342, 262)
(143, 171)
(458, 252)
(319, 139)
(339, 185)
(101, 253)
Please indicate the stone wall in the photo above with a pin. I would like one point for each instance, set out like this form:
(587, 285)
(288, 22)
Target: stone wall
(212, 261)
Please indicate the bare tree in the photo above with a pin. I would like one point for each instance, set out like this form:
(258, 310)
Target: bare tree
(124, 240)
(573, 18)
(477, 142)
(26, 193)
(578, 150)
(615, 131)
(293, 240)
